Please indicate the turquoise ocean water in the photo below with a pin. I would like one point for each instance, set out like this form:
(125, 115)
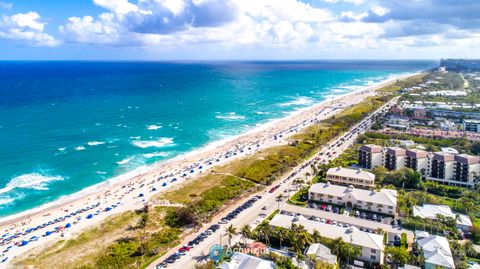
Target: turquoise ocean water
(65, 126)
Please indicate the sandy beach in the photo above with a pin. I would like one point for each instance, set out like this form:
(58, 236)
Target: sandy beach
(70, 215)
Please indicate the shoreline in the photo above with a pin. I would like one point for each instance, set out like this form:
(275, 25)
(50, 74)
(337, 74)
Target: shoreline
(142, 170)
(131, 190)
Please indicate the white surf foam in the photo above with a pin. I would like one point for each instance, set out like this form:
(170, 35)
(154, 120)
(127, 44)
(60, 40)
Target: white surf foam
(80, 148)
(62, 149)
(124, 161)
(95, 143)
(153, 127)
(6, 201)
(262, 113)
(230, 116)
(160, 143)
(30, 181)
(155, 154)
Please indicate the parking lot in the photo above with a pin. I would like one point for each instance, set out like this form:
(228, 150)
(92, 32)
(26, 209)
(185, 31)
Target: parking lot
(341, 219)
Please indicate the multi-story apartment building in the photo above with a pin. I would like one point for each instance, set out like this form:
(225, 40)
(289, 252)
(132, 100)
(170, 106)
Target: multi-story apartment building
(448, 168)
(441, 166)
(383, 201)
(347, 176)
(417, 160)
(394, 158)
(466, 169)
(370, 156)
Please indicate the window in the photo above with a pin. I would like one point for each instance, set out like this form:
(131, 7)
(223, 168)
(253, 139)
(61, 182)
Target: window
(373, 257)
(373, 250)
(390, 207)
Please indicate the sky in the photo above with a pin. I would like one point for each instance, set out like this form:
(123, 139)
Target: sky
(238, 29)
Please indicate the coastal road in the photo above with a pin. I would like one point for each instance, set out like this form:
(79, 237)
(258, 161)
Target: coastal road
(250, 215)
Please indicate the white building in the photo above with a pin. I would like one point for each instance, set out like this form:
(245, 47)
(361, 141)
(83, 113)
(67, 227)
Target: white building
(436, 251)
(245, 261)
(383, 201)
(371, 244)
(348, 176)
(319, 252)
(431, 211)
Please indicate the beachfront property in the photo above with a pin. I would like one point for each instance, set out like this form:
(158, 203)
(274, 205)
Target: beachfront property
(383, 201)
(372, 247)
(429, 211)
(245, 261)
(394, 158)
(436, 251)
(347, 176)
(446, 166)
(321, 253)
(471, 125)
(370, 156)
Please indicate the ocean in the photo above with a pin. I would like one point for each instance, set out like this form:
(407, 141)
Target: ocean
(65, 126)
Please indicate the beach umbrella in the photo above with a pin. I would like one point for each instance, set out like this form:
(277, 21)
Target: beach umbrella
(47, 233)
(108, 209)
(191, 171)
(140, 195)
(68, 225)
(200, 167)
(89, 216)
(154, 189)
(24, 243)
(164, 184)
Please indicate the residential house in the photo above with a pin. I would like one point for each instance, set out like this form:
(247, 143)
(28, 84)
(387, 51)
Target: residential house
(321, 253)
(245, 261)
(436, 251)
(432, 211)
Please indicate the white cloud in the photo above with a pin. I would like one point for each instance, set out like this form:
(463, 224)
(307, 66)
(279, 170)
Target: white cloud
(117, 6)
(26, 27)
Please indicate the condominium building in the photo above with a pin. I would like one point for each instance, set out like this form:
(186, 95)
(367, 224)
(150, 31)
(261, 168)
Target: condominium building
(417, 160)
(383, 201)
(467, 168)
(446, 167)
(347, 176)
(441, 166)
(394, 158)
(371, 245)
(370, 156)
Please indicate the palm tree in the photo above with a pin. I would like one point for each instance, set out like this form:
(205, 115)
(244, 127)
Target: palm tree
(279, 199)
(316, 236)
(231, 231)
(246, 232)
(280, 234)
(263, 232)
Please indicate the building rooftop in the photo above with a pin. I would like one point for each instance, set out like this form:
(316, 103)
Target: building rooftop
(471, 121)
(384, 196)
(351, 234)
(467, 159)
(351, 173)
(245, 261)
(396, 151)
(416, 153)
(431, 211)
(322, 253)
(371, 148)
(443, 156)
(436, 250)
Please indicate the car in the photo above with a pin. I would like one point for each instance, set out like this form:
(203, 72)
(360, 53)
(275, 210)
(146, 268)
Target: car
(335, 223)
(265, 207)
(323, 206)
(357, 214)
(379, 218)
(363, 215)
(329, 207)
(336, 210)
(374, 217)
